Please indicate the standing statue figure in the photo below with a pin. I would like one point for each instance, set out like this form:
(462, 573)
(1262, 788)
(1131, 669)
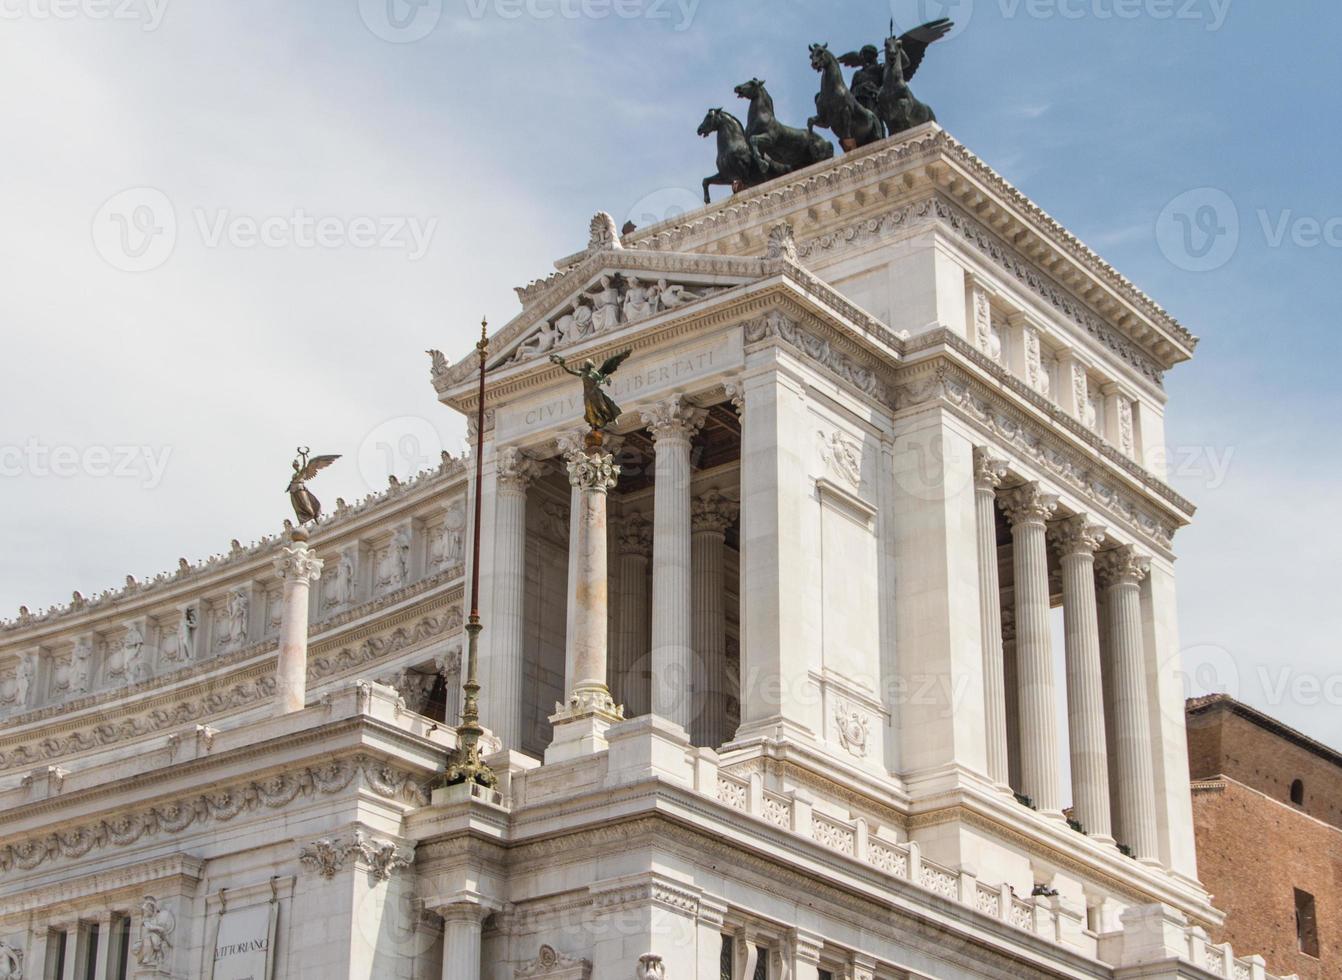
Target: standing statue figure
(156, 928)
(307, 507)
(598, 408)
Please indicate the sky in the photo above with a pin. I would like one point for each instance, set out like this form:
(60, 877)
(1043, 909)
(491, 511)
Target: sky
(230, 228)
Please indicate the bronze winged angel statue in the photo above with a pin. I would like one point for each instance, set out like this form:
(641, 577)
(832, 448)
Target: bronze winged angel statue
(598, 408)
(884, 89)
(307, 507)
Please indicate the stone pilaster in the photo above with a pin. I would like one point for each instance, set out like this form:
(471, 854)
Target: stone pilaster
(988, 475)
(1077, 539)
(298, 568)
(1121, 573)
(630, 679)
(581, 723)
(672, 424)
(711, 516)
(514, 473)
(1028, 508)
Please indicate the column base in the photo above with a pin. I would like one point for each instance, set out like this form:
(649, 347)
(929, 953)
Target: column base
(1103, 839)
(580, 726)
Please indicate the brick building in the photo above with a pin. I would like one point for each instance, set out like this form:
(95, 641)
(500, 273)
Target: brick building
(1256, 782)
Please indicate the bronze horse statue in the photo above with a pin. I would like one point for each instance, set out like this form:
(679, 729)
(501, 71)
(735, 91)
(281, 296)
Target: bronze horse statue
(783, 146)
(740, 165)
(836, 107)
(898, 108)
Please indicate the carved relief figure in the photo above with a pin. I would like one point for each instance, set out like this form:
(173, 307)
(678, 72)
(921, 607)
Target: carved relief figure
(638, 300)
(607, 313)
(25, 689)
(236, 634)
(81, 665)
(668, 297)
(183, 644)
(345, 579)
(156, 929)
(401, 547)
(11, 962)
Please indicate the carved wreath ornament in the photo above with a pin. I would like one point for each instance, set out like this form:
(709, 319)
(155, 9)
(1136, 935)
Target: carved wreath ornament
(854, 732)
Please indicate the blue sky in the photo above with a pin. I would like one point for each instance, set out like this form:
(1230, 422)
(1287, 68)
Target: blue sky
(479, 151)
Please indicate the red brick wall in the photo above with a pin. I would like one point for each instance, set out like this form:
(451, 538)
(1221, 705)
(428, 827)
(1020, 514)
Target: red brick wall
(1255, 848)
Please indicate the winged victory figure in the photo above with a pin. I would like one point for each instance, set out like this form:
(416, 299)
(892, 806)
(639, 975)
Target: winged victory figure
(306, 506)
(598, 408)
(884, 89)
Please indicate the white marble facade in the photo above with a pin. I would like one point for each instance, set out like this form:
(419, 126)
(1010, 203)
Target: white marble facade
(883, 419)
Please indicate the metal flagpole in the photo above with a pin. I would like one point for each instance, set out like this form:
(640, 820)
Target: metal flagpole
(468, 766)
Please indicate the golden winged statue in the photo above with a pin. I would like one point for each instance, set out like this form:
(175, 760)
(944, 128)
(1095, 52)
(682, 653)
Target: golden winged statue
(307, 508)
(598, 408)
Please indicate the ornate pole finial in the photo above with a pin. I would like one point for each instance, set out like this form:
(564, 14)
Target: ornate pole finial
(468, 766)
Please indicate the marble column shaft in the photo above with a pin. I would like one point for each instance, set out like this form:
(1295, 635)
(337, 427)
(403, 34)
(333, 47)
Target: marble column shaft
(630, 681)
(713, 514)
(672, 424)
(298, 568)
(461, 941)
(988, 475)
(1029, 509)
(1121, 573)
(1077, 539)
(515, 472)
(592, 475)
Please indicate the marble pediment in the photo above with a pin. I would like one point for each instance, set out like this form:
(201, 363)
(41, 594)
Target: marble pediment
(611, 289)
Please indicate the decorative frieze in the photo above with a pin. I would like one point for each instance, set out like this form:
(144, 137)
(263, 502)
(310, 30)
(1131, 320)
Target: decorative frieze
(175, 816)
(550, 964)
(380, 857)
(776, 324)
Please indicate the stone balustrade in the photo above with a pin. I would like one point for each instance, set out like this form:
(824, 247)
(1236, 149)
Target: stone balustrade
(1043, 916)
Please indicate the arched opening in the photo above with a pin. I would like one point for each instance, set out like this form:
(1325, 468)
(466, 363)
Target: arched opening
(1298, 792)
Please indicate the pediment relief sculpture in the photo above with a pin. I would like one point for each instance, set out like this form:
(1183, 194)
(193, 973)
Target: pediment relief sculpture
(612, 301)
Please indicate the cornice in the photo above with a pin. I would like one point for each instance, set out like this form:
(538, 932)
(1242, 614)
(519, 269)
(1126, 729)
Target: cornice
(930, 153)
(219, 571)
(175, 815)
(218, 695)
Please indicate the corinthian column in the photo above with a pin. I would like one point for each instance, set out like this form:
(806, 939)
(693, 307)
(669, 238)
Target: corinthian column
(629, 658)
(1121, 574)
(712, 514)
(298, 569)
(672, 424)
(1077, 540)
(1029, 509)
(581, 723)
(515, 473)
(988, 475)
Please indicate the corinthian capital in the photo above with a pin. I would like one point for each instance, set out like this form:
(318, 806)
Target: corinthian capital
(1028, 504)
(516, 470)
(595, 471)
(713, 512)
(1077, 536)
(673, 419)
(988, 472)
(1122, 566)
(634, 535)
(297, 562)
